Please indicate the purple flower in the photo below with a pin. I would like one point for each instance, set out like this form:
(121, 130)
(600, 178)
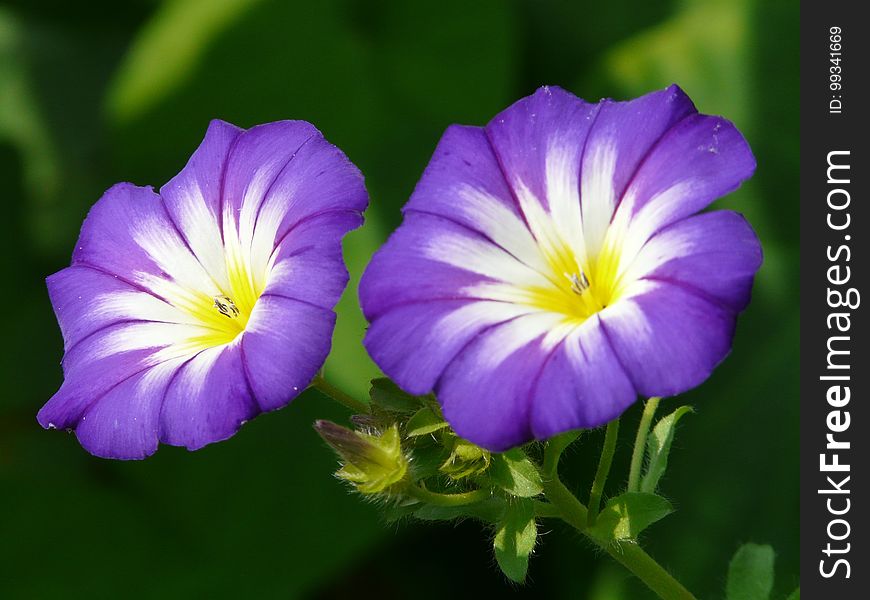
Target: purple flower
(551, 266)
(188, 312)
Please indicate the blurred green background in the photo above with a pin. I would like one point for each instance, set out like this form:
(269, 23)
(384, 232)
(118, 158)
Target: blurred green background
(97, 92)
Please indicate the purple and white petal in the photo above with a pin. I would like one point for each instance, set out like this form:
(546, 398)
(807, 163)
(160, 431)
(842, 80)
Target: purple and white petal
(414, 343)
(668, 338)
(207, 399)
(582, 384)
(286, 342)
(716, 254)
(486, 392)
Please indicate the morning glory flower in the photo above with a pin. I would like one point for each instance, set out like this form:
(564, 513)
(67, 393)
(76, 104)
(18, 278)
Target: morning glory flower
(188, 312)
(552, 266)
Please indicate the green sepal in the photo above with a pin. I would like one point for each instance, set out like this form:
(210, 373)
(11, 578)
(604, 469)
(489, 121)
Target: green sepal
(426, 460)
(625, 516)
(424, 422)
(515, 538)
(388, 397)
(658, 447)
(750, 573)
(489, 510)
(516, 474)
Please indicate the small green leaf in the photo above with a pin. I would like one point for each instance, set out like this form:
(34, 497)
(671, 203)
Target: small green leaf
(424, 422)
(387, 395)
(795, 595)
(750, 574)
(516, 474)
(658, 447)
(489, 510)
(515, 539)
(625, 516)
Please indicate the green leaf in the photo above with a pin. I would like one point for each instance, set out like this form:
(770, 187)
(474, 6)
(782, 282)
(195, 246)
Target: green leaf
(795, 595)
(515, 539)
(168, 49)
(750, 574)
(516, 474)
(625, 516)
(658, 447)
(387, 395)
(489, 510)
(424, 422)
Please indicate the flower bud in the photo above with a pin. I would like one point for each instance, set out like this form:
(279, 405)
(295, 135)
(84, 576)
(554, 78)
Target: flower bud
(373, 463)
(465, 459)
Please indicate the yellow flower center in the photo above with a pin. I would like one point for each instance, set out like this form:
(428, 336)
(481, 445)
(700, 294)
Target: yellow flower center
(579, 287)
(223, 316)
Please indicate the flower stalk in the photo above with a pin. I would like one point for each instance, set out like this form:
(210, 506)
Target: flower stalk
(326, 388)
(639, 452)
(573, 512)
(603, 471)
(458, 499)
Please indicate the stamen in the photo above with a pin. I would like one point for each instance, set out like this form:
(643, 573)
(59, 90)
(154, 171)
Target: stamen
(579, 282)
(226, 306)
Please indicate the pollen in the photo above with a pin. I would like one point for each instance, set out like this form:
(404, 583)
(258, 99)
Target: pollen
(579, 282)
(226, 306)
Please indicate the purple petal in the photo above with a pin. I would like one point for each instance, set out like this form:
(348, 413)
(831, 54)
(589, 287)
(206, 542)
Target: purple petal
(405, 269)
(309, 265)
(716, 254)
(86, 300)
(415, 342)
(463, 183)
(257, 158)
(286, 171)
(698, 160)
(128, 234)
(98, 363)
(207, 400)
(523, 134)
(487, 391)
(284, 346)
(582, 385)
(633, 129)
(193, 197)
(124, 423)
(668, 338)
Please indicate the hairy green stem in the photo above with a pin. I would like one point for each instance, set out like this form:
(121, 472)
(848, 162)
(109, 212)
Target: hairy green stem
(545, 510)
(460, 499)
(640, 444)
(555, 446)
(324, 387)
(603, 471)
(628, 554)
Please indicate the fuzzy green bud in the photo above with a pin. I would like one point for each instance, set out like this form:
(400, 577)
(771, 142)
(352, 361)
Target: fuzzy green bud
(373, 463)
